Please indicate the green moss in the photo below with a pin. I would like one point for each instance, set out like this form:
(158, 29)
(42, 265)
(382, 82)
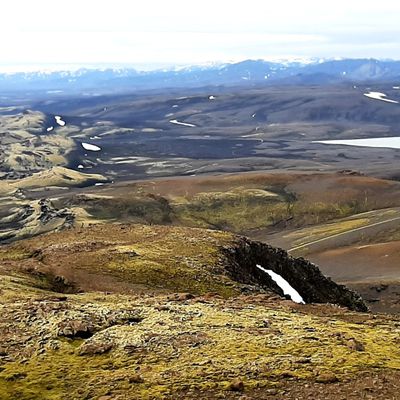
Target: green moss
(138, 208)
(236, 210)
(14, 254)
(177, 346)
(200, 347)
(53, 376)
(174, 278)
(242, 203)
(242, 210)
(302, 236)
(137, 257)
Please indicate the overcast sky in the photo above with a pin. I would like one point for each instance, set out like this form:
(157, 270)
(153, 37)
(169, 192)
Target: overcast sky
(154, 33)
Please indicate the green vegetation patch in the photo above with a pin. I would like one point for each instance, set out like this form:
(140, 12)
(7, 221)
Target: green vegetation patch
(186, 347)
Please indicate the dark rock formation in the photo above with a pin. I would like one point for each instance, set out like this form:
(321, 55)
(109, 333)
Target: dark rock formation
(301, 274)
(48, 212)
(32, 219)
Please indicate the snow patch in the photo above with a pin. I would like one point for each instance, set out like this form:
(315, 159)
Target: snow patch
(59, 120)
(386, 142)
(283, 284)
(91, 147)
(379, 96)
(211, 97)
(176, 122)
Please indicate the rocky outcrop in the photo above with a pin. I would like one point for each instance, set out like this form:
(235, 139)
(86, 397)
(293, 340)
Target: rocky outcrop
(301, 274)
(34, 218)
(75, 329)
(139, 258)
(48, 212)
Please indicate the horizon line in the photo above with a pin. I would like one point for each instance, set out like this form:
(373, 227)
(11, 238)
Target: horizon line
(11, 68)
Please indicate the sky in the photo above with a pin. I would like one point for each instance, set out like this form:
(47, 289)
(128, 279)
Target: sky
(151, 34)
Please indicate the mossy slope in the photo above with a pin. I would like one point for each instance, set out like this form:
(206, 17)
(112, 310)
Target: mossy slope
(180, 349)
(128, 331)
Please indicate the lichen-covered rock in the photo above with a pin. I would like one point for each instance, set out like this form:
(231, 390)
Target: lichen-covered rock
(236, 385)
(326, 377)
(181, 349)
(355, 345)
(75, 329)
(91, 348)
(135, 378)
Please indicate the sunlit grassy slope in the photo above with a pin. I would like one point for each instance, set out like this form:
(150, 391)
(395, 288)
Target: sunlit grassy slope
(242, 203)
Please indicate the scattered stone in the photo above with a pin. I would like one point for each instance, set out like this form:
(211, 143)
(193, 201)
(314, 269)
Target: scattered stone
(379, 288)
(236, 385)
(348, 171)
(181, 296)
(135, 378)
(62, 284)
(53, 345)
(302, 360)
(211, 296)
(53, 298)
(326, 377)
(94, 348)
(15, 376)
(287, 374)
(264, 324)
(355, 345)
(75, 329)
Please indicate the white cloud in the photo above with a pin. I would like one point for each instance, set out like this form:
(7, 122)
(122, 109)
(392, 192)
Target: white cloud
(183, 31)
(133, 47)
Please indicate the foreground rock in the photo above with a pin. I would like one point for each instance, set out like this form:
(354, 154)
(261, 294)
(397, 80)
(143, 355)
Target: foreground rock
(185, 318)
(203, 348)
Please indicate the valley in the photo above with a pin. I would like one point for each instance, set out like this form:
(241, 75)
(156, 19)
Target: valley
(141, 229)
(239, 159)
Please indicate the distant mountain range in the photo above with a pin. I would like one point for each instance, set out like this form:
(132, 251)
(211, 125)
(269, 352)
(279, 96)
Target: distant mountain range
(249, 72)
